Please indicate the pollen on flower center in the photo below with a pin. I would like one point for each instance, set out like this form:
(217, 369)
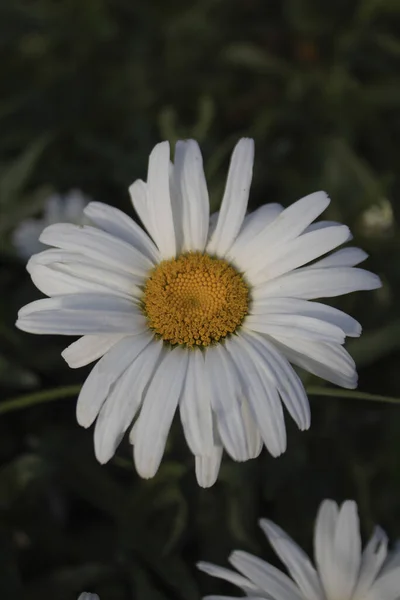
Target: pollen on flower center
(195, 299)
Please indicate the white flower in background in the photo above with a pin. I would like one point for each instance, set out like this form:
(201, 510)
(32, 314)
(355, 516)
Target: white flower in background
(204, 319)
(378, 219)
(342, 572)
(87, 596)
(57, 209)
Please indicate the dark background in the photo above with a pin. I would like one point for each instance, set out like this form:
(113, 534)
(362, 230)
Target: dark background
(87, 88)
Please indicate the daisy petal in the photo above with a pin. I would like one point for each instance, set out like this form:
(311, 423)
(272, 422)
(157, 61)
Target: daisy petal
(207, 467)
(253, 436)
(315, 310)
(225, 388)
(265, 576)
(287, 381)
(313, 282)
(139, 197)
(253, 224)
(324, 534)
(347, 550)
(236, 196)
(98, 245)
(287, 226)
(158, 410)
(393, 561)
(88, 349)
(295, 559)
(294, 219)
(81, 314)
(123, 402)
(118, 224)
(323, 225)
(232, 598)
(298, 252)
(262, 396)
(195, 407)
(328, 361)
(345, 257)
(190, 180)
(159, 200)
(231, 576)
(55, 273)
(296, 326)
(108, 370)
(386, 587)
(373, 558)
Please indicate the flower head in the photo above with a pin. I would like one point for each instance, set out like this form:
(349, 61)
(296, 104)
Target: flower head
(58, 209)
(88, 596)
(201, 313)
(342, 571)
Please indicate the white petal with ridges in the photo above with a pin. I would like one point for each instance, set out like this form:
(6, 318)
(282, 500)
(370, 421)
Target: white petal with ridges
(236, 196)
(139, 196)
(207, 467)
(295, 559)
(287, 226)
(231, 576)
(88, 349)
(159, 200)
(81, 314)
(97, 245)
(225, 390)
(345, 257)
(158, 411)
(328, 361)
(373, 557)
(296, 326)
(324, 533)
(316, 310)
(191, 185)
(123, 402)
(106, 372)
(253, 224)
(266, 577)
(118, 224)
(261, 394)
(59, 278)
(253, 436)
(283, 376)
(296, 253)
(386, 587)
(310, 283)
(195, 406)
(232, 598)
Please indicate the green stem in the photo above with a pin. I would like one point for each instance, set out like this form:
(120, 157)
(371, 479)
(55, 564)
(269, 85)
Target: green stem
(337, 393)
(28, 400)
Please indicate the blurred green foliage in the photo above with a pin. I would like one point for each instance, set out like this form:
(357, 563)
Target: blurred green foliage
(87, 89)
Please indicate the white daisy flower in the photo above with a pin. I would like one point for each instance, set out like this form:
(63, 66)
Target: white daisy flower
(87, 596)
(342, 572)
(197, 316)
(58, 209)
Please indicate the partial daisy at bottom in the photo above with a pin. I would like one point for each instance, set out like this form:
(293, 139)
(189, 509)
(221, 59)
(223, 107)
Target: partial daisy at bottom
(342, 570)
(88, 596)
(202, 313)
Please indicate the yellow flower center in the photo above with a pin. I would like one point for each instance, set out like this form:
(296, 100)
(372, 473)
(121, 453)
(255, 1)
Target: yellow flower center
(195, 299)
